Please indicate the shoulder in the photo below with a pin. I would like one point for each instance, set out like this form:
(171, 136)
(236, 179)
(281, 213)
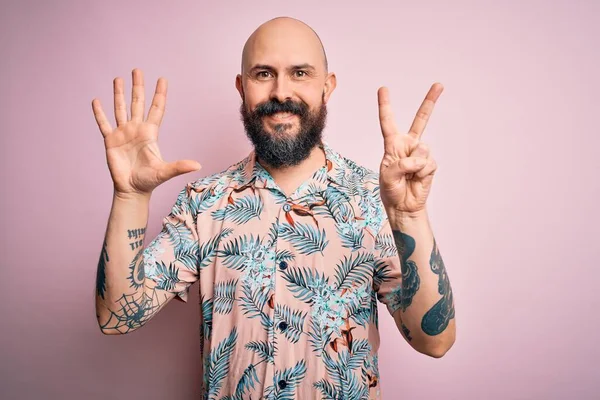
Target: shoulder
(199, 193)
(232, 175)
(362, 184)
(356, 177)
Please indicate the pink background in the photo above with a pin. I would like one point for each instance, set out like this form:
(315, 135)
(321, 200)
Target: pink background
(513, 206)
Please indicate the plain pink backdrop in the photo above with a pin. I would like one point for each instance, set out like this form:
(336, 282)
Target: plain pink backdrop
(513, 206)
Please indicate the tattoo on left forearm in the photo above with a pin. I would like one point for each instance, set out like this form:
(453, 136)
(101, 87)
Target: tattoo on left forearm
(437, 318)
(410, 277)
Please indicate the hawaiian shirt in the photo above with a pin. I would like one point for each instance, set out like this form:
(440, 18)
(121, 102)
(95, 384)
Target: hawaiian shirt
(288, 285)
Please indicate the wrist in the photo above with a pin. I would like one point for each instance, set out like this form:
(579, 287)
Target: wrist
(132, 197)
(400, 218)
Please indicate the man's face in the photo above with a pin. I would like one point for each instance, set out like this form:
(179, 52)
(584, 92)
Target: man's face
(284, 88)
(283, 134)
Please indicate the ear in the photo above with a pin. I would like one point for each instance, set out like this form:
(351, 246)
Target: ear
(239, 86)
(330, 84)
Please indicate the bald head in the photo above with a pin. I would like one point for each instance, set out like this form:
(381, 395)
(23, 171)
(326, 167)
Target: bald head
(280, 36)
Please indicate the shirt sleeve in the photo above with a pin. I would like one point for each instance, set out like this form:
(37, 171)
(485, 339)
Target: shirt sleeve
(171, 259)
(395, 280)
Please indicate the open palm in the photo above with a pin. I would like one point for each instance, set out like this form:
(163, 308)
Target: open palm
(132, 152)
(407, 168)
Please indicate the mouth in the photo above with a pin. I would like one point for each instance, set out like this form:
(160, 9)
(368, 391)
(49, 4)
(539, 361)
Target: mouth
(281, 116)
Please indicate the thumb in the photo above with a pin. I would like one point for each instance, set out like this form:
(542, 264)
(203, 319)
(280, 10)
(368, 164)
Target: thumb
(180, 167)
(410, 165)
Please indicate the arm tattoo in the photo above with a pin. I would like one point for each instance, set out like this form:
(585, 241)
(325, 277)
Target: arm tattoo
(410, 278)
(406, 332)
(101, 271)
(437, 318)
(132, 311)
(136, 270)
(137, 236)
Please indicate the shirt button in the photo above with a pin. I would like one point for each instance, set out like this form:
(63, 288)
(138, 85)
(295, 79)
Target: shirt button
(283, 265)
(287, 207)
(283, 325)
(282, 384)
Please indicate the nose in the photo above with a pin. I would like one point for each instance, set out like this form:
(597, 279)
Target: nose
(282, 90)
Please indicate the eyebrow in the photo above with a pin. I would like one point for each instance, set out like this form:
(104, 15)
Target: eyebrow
(271, 68)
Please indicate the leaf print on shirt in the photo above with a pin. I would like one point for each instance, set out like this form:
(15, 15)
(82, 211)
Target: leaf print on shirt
(217, 367)
(333, 306)
(354, 270)
(185, 248)
(305, 238)
(344, 383)
(208, 249)
(166, 277)
(246, 383)
(207, 316)
(385, 243)
(265, 350)
(257, 263)
(286, 382)
(253, 302)
(294, 320)
(224, 296)
(241, 210)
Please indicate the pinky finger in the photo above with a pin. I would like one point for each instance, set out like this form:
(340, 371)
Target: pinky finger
(101, 120)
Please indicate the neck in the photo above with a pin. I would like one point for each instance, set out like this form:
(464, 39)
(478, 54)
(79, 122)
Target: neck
(289, 178)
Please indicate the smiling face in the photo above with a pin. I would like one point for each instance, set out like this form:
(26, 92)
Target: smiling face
(284, 88)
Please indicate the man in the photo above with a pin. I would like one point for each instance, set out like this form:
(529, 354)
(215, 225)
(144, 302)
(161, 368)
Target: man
(292, 246)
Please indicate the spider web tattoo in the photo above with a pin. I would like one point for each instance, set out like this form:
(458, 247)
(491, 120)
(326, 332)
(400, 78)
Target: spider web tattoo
(134, 311)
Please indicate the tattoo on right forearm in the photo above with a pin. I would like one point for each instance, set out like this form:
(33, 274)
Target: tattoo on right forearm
(101, 271)
(138, 236)
(133, 311)
(136, 270)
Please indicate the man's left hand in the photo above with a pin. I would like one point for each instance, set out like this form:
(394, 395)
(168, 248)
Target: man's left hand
(407, 168)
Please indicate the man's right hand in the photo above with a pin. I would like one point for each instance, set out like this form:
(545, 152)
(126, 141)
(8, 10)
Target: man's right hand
(132, 153)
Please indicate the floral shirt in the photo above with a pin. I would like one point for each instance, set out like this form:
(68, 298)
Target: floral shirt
(288, 284)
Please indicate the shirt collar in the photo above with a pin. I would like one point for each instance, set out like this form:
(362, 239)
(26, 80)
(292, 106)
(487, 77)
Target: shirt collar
(250, 171)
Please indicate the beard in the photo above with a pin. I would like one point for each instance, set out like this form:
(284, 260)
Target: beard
(281, 148)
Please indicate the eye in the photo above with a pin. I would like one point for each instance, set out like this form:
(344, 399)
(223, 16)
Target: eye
(300, 73)
(263, 74)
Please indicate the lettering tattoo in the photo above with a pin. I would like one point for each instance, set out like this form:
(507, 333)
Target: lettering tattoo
(101, 271)
(410, 278)
(137, 235)
(437, 318)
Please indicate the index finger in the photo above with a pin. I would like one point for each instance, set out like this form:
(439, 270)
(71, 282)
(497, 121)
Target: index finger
(101, 119)
(157, 109)
(424, 112)
(386, 115)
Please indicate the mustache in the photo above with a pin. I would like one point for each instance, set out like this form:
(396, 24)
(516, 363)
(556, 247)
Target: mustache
(273, 106)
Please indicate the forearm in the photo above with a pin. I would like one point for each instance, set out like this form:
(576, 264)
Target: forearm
(427, 312)
(121, 304)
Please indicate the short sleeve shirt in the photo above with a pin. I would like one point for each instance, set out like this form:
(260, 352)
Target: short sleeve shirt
(288, 285)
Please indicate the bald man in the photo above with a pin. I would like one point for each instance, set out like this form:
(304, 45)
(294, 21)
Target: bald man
(293, 246)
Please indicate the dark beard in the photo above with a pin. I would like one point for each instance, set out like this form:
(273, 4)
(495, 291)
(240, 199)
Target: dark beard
(281, 149)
